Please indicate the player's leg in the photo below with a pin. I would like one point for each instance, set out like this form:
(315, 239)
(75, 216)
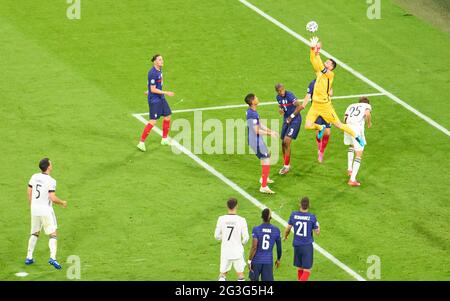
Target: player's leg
(356, 165)
(298, 262)
(155, 111)
(265, 164)
(225, 266)
(325, 139)
(286, 155)
(166, 113)
(267, 272)
(50, 226)
(239, 266)
(36, 226)
(307, 261)
(350, 157)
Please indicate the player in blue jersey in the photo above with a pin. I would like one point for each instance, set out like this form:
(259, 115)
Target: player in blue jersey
(256, 142)
(290, 109)
(260, 260)
(157, 102)
(323, 141)
(304, 224)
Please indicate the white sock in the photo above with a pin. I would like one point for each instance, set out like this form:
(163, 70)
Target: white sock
(31, 244)
(52, 244)
(356, 165)
(350, 156)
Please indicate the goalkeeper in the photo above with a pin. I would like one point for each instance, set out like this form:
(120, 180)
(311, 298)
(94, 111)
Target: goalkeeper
(321, 100)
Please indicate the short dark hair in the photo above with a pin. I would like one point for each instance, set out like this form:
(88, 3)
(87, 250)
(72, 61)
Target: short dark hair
(364, 99)
(278, 86)
(304, 203)
(44, 164)
(249, 98)
(231, 203)
(265, 215)
(155, 57)
(334, 63)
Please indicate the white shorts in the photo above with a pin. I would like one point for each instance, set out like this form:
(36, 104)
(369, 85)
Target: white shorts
(225, 265)
(349, 140)
(47, 222)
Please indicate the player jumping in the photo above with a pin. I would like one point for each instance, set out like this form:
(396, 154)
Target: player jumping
(157, 102)
(355, 116)
(290, 108)
(41, 196)
(323, 142)
(321, 101)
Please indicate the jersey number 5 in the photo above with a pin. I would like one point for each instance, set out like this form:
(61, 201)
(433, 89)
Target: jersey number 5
(37, 190)
(301, 230)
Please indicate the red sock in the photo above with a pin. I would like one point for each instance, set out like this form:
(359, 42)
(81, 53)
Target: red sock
(166, 126)
(319, 143)
(287, 159)
(324, 142)
(299, 274)
(146, 131)
(265, 174)
(305, 276)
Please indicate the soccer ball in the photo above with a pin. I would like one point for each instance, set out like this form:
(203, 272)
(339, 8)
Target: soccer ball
(312, 26)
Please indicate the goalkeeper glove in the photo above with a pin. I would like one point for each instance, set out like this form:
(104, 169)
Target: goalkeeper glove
(313, 42)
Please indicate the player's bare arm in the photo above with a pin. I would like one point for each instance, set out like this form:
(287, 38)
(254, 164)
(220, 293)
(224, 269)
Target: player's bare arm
(287, 231)
(155, 90)
(262, 130)
(368, 117)
(298, 108)
(252, 252)
(29, 193)
(57, 200)
(317, 231)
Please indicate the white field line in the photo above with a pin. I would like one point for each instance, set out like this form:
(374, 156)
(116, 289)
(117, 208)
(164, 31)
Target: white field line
(253, 200)
(348, 68)
(266, 103)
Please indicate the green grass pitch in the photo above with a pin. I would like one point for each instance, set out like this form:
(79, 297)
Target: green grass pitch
(69, 89)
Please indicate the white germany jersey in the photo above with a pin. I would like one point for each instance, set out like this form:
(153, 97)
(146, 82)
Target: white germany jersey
(41, 185)
(356, 112)
(232, 230)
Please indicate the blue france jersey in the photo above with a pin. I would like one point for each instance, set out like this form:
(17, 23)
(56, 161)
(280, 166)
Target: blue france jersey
(155, 78)
(267, 235)
(311, 88)
(304, 223)
(252, 120)
(286, 103)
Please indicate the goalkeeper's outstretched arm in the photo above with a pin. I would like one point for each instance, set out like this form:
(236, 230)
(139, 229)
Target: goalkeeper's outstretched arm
(314, 55)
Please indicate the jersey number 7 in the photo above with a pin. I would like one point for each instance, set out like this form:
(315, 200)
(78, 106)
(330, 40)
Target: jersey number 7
(232, 228)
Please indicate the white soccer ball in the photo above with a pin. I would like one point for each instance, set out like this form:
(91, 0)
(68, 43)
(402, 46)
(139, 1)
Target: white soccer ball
(312, 26)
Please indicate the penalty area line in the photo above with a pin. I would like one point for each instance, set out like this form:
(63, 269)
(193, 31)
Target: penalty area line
(265, 103)
(246, 195)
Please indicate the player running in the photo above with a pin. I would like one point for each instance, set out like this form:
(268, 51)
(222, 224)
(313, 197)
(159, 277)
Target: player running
(304, 224)
(355, 116)
(41, 196)
(260, 260)
(157, 102)
(232, 230)
(256, 142)
(321, 101)
(290, 108)
(323, 142)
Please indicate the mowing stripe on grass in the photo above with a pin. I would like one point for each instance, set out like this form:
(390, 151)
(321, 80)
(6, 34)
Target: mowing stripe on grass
(266, 103)
(253, 200)
(348, 68)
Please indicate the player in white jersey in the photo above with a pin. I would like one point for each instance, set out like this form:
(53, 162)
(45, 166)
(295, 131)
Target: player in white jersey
(41, 196)
(232, 230)
(356, 116)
